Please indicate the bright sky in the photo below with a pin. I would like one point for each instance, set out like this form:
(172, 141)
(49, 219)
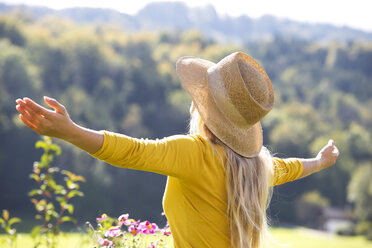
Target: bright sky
(353, 13)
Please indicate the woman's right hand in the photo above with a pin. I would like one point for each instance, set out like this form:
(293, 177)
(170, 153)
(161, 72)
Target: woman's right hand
(54, 123)
(57, 123)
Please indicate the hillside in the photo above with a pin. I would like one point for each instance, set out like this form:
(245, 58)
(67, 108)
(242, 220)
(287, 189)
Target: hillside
(177, 16)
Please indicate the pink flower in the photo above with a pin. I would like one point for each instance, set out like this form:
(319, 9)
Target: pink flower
(131, 222)
(133, 230)
(112, 232)
(123, 218)
(105, 242)
(165, 231)
(146, 227)
(103, 217)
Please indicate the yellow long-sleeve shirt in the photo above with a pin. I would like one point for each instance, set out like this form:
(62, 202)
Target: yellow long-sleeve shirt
(195, 198)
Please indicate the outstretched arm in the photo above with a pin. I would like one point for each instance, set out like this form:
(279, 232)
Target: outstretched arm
(286, 170)
(325, 158)
(57, 123)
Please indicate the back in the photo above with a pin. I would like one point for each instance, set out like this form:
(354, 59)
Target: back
(196, 207)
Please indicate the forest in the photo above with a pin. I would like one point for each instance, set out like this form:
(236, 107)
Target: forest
(110, 78)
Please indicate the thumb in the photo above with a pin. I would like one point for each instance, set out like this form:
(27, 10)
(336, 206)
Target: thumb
(53, 103)
(336, 151)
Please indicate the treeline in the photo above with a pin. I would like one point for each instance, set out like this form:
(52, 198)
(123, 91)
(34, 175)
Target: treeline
(126, 82)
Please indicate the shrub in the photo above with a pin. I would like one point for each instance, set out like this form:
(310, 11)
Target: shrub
(51, 199)
(7, 223)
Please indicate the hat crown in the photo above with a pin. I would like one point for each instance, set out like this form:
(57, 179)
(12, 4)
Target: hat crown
(241, 89)
(255, 84)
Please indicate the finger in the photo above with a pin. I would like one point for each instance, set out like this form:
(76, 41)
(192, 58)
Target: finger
(336, 151)
(23, 112)
(36, 107)
(53, 103)
(30, 112)
(27, 123)
(331, 142)
(27, 116)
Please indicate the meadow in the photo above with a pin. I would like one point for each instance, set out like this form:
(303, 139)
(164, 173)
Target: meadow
(308, 238)
(294, 237)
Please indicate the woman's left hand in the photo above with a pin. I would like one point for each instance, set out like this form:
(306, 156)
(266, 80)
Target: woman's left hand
(328, 155)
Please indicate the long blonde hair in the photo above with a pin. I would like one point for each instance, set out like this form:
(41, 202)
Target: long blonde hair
(248, 190)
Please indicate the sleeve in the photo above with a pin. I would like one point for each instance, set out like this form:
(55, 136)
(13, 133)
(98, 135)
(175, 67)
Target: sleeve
(171, 156)
(286, 170)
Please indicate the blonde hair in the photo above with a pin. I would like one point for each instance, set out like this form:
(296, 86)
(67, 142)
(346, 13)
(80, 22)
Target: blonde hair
(248, 190)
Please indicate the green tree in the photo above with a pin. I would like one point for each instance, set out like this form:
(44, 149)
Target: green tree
(360, 193)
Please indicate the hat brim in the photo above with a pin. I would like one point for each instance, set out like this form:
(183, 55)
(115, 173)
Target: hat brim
(192, 72)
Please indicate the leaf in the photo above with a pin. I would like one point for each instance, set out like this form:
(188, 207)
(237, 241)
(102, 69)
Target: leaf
(46, 158)
(71, 185)
(40, 207)
(47, 216)
(52, 183)
(67, 173)
(2, 222)
(73, 193)
(55, 215)
(56, 148)
(73, 177)
(80, 178)
(34, 192)
(35, 231)
(70, 208)
(5, 214)
(67, 218)
(50, 206)
(41, 144)
(60, 190)
(43, 187)
(35, 177)
(42, 165)
(14, 220)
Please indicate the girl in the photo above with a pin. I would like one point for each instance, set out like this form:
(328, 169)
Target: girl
(220, 175)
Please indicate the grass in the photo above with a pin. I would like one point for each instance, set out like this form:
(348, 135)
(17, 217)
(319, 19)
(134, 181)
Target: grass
(70, 240)
(73, 240)
(295, 238)
(307, 238)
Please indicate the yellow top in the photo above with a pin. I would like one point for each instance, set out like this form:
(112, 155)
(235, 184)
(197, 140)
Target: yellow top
(195, 198)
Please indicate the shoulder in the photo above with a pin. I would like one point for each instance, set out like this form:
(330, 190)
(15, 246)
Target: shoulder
(196, 141)
(197, 144)
(186, 138)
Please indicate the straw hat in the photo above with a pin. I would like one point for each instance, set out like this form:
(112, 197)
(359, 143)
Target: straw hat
(231, 96)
